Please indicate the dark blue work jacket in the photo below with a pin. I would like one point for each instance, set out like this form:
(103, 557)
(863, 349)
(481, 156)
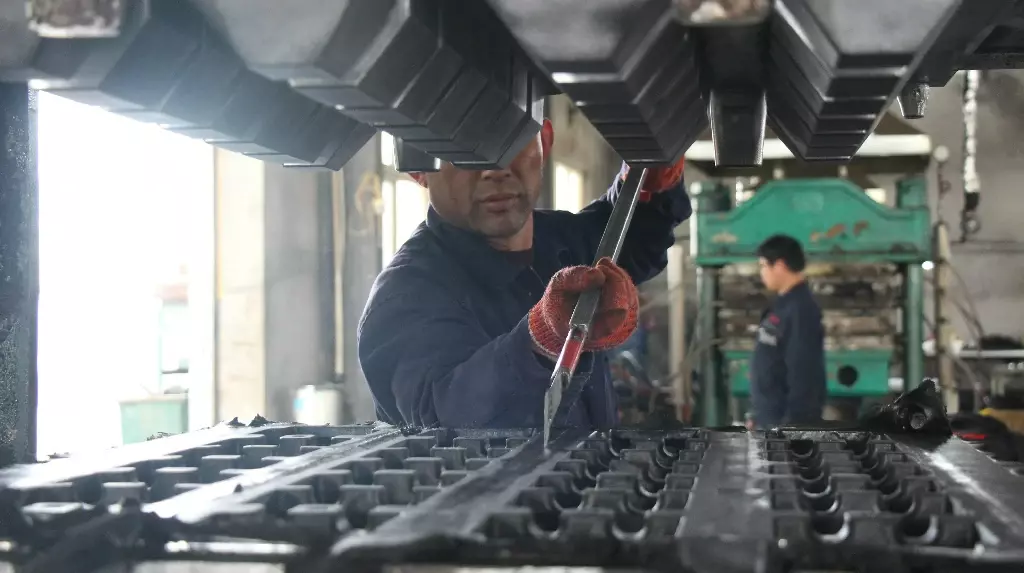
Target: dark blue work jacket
(787, 369)
(444, 337)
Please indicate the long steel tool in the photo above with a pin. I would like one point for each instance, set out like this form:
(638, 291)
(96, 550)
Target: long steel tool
(586, 306)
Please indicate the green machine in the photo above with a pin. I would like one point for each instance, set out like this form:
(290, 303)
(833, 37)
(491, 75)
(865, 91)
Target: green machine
(866, 247)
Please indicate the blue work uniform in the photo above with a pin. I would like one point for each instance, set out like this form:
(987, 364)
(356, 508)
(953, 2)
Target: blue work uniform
(787, 369)
(444, 338)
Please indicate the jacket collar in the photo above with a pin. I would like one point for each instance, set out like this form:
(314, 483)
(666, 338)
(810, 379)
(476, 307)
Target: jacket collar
(799, 289)
(487, 264)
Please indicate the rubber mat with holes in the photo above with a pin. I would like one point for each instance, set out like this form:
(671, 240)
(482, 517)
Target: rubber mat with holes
(365, 497)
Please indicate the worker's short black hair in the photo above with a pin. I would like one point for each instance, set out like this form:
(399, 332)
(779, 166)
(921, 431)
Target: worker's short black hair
(783, 248)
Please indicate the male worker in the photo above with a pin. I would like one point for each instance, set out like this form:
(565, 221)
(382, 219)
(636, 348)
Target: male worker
(787, 370)
(463, 326)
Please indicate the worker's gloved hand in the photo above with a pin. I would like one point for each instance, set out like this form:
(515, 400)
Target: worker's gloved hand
(658, 178)
(616, 316)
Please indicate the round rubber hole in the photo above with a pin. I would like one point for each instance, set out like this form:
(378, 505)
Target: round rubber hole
(847, 375)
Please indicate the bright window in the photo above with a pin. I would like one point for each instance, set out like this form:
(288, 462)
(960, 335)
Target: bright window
(122, 208)
(387, 149)
(405, 207)
(568, 189)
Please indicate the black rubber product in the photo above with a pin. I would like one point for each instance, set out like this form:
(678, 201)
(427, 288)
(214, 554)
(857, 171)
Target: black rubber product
(362, 497)
(826, 60)
(168, 67)
(461, 81)
(635, 73)
(409, 159)
(446, 77)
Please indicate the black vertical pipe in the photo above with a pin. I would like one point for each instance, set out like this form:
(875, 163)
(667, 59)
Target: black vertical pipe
(19, 274)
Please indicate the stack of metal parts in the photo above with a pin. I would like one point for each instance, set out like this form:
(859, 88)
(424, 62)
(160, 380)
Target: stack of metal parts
(307, 82)
(363, 497)
(860, 305)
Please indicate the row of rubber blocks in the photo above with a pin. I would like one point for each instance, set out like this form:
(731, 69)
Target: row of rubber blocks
(656, 465)
(412, 461)
(397, 472)
(331, 496)
(446, 103)
(862, 493)
(393, 470)
(545, 511)
(825, 104)
(449, 104)
(615, 505)
(169, 67)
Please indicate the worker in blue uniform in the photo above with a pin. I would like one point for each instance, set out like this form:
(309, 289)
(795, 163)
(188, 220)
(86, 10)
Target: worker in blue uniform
(787, 369)
(463, 326)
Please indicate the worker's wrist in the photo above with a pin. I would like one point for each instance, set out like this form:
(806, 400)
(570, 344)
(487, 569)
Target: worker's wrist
(541, 352)
(668, 201)
(549, 360)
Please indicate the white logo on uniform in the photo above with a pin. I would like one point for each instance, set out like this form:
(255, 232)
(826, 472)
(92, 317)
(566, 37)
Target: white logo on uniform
(765, 337)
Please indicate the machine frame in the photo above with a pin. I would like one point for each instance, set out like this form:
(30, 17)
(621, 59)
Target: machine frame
(849, 228)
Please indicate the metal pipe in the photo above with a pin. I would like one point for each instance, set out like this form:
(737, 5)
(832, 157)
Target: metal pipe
(943, 329)
(913, 327)
(676, 275)
(710, 359)
(583, 314)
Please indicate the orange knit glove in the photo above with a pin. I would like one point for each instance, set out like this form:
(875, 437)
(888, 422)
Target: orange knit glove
(658, 178)
(614, 321)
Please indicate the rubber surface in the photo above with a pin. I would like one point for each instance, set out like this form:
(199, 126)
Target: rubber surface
(363, 496)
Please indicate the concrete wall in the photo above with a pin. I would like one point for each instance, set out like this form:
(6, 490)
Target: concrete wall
(991, 263)
(361, 264)
(241, 307)
(295, 345)
(579, 146)
(270, 335)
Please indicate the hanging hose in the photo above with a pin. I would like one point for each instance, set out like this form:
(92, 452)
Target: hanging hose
(969, 222)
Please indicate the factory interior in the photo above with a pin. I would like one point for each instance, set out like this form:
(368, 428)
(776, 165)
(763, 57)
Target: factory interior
(186, 282)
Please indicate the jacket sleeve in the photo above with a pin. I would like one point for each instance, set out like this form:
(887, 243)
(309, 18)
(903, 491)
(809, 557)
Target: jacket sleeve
(651, 233)
(427, 351)
(804, 355)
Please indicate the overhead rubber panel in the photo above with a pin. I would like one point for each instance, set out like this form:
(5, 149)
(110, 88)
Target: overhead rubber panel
(306, 82)
(168, 67)
(628, 65)
(445, 77)
(836, 66)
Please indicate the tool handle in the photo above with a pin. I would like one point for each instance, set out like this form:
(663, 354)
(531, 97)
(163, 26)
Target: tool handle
(610, 246)
(586, 307)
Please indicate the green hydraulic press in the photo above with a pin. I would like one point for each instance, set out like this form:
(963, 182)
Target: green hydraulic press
(866, 255)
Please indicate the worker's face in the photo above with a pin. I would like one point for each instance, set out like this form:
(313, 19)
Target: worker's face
(770, 273)
(496, 203)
